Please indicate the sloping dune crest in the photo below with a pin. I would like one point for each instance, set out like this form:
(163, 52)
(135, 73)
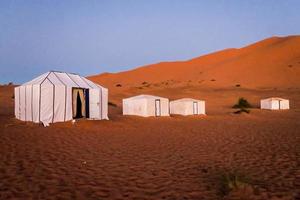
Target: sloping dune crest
(273, 62)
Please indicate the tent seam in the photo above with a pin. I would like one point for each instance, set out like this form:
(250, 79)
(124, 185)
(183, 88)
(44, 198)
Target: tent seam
(73, 80)
(59, 78)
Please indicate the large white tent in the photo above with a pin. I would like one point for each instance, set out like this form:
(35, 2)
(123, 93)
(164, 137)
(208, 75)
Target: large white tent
(274, 103)
(58, 97)
(146, 106)
(187, 106)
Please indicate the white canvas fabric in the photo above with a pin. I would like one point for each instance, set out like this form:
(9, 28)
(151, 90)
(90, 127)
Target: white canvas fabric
(187, 106)
(275, 103)
(48, 98)
(146, 106)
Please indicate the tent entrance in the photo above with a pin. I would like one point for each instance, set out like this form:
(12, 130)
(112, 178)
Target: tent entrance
(195, 108)
(279, 102)
(80, 100)
(276, 105)
(157, 107)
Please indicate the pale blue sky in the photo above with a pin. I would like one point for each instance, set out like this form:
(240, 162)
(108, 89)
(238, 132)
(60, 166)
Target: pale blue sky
(90, 37)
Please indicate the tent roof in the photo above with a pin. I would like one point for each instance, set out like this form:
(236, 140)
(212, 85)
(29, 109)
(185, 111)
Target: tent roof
(63, 78)
(274, 98)
(145, 96)
(186, 99)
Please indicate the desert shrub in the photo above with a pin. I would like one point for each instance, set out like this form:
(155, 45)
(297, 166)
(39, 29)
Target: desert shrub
(242, 103)
(10, 83)
(232, 181)
(290, 65)
(213, 80)
(242, 110)
(118, 85)
(237, 85)
(144, 83)
(112, 104)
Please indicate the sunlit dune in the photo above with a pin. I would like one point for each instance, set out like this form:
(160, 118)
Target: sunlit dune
(273, 62)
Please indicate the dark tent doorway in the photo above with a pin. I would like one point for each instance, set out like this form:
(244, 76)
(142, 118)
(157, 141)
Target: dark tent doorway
(79, 107)
(79, 103)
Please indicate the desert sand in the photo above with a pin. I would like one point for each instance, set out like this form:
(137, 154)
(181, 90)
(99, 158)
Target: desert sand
(168, 157)
(155, 158)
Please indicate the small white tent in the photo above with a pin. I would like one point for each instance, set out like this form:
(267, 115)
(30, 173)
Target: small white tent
(187, 106)
(275, 103)
(146, 105)
(58, 97)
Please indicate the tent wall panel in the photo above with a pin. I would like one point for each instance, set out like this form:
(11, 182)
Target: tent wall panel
(145, 106)
(201, 107)
(187, 106)
(28, 97)
(150, 111)
(47, 103)
(164, 107)
(59, 103)
(17, 98)
(94, 103)
(178, 108)
(22, 103)
(69, 112)
(284, 104)
(135, 107)
(275, 105)
(36, 102)
(265, 104)
(104, 103)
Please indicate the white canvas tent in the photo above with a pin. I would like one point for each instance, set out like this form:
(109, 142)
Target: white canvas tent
(275, 103)
(187, 106)
(58, 97)
(146, 106)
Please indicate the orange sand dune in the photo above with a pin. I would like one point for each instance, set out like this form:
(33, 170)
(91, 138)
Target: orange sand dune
(273, 62)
